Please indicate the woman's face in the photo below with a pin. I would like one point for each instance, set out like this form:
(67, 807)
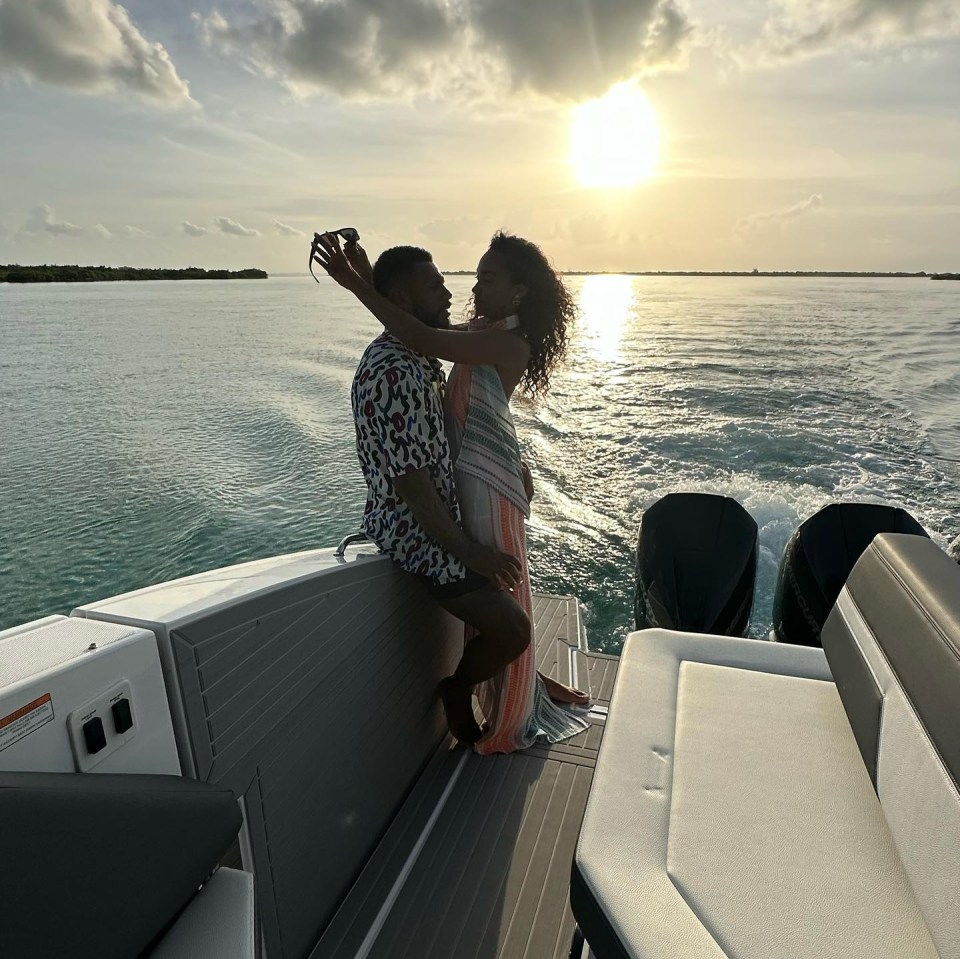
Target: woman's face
(495, 295)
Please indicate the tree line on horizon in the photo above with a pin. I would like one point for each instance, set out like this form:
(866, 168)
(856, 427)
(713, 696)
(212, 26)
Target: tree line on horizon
(15, 273)
(50, 273)
(920, 274)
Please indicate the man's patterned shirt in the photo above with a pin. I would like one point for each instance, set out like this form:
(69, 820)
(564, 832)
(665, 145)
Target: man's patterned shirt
(397, 400)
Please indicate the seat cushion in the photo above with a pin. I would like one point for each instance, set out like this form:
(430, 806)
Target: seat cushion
(893, 644)
(97, 865)
(731, 814)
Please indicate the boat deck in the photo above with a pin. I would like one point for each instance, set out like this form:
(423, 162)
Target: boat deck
(476, 864)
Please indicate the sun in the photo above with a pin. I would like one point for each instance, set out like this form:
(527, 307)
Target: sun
(615, 140)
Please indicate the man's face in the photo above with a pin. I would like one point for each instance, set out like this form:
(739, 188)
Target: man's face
(427, 295)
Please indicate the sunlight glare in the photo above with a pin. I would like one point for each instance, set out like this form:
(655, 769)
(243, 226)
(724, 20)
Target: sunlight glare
(615, 140)
(605, 302)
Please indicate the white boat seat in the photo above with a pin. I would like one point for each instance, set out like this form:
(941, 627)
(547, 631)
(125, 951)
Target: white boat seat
(731, 814)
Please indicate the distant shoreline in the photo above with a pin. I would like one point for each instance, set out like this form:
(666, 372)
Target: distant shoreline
(797, 273)
(15, 273)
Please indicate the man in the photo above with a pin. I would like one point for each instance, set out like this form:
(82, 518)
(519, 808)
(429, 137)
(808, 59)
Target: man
(411, 510)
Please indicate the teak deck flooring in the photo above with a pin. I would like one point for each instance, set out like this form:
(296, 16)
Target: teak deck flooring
(476, 864)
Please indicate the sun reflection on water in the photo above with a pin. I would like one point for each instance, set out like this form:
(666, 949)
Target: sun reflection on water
(605, 303)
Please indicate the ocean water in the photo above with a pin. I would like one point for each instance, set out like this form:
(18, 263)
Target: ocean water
(152, 430)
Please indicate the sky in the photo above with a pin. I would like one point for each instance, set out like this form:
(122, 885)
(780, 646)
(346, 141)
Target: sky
(616, 134)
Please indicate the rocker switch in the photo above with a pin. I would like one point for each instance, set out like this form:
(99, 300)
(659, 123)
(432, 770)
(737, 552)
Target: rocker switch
(122, 715)
(99, 727)
(93, 735)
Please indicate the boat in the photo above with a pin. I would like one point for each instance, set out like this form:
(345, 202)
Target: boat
(253, 762)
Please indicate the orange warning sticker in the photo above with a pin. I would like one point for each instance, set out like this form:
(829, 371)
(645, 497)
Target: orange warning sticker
(25, 720)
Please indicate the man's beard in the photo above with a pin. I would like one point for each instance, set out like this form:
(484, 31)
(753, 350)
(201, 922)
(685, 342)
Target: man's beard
(439, 322)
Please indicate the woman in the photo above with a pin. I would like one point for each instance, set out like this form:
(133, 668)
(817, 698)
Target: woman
(516, 338)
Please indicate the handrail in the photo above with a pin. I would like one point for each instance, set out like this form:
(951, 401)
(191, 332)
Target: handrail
(359, 537)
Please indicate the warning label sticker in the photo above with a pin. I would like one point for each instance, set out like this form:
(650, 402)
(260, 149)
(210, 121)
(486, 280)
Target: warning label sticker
(25, 720)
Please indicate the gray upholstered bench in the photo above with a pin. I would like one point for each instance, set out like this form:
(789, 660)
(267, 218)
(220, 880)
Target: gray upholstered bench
(766, 801)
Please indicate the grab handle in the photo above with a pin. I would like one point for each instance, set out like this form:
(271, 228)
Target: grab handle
(358, 537)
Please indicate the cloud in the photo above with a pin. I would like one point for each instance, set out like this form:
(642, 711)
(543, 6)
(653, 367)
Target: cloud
(778, 218)
(226, 225)
(42, 221)
(191, 229)
(804, 28)
(134, 232)
(377, 46)
(578, 48)
(590, 229)
(559, 48)
(461, 230)
(90, 46)
(284, 230)
(103, 232)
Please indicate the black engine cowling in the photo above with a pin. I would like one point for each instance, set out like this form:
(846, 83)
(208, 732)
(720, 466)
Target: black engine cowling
(818, 559)
(696, 565)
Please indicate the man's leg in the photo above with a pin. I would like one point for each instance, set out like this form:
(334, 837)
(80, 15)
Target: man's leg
(504, 632)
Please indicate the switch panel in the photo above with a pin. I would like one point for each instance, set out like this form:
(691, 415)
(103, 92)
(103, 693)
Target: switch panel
(100, 727)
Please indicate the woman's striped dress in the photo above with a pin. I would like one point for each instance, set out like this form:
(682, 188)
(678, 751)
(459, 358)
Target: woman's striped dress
(494, 506)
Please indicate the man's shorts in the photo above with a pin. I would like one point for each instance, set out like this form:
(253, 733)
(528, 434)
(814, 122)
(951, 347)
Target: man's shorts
(457, 587)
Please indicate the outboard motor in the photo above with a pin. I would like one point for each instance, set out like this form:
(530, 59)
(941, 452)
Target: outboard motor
(696, 565)
(818, 559)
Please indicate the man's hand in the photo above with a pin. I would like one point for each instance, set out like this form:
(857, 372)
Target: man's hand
(416, 489)
(527, 480)
(500, 568)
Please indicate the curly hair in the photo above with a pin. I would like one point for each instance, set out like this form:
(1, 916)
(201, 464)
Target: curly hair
(544, 311)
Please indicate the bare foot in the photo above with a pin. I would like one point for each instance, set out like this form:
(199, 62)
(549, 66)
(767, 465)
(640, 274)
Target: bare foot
(458, 705)
(565, 694)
